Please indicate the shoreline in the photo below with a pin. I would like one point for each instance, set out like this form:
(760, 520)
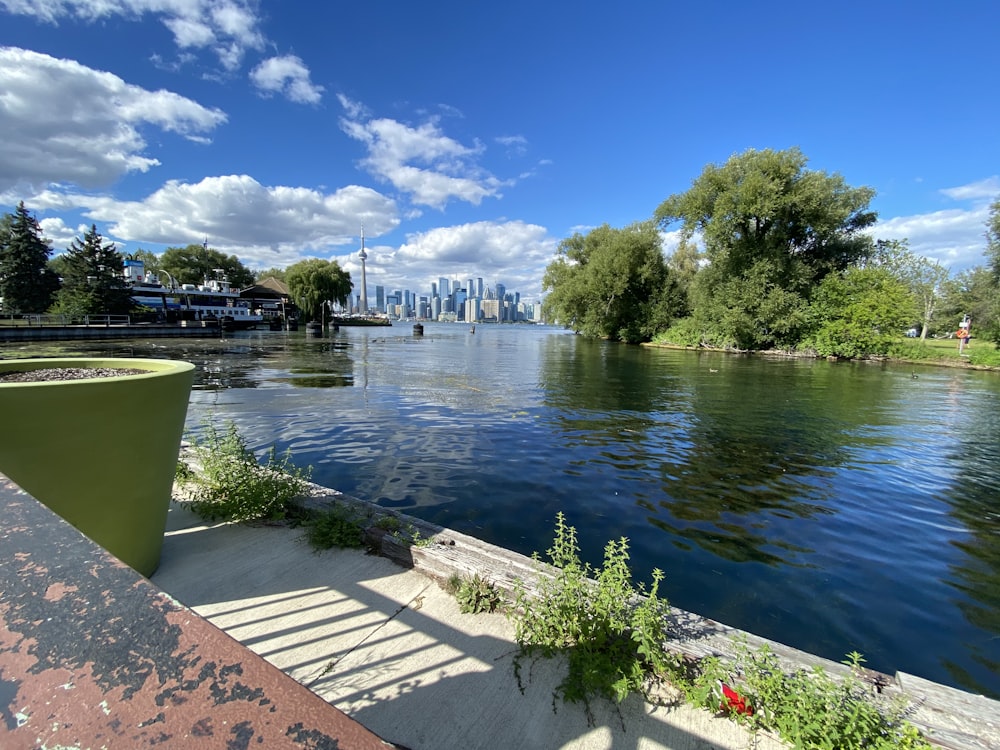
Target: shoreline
(782, 354)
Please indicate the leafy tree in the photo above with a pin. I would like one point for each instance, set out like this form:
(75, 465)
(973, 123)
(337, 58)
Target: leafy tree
(312, 282)
(94, 281)
(27, 285)
(270, 273)
(195, 263)
(769, 226)
(859, 313)
(924, 277)
(613, 283)
(993, 239)
(748, 311)
(974, 293)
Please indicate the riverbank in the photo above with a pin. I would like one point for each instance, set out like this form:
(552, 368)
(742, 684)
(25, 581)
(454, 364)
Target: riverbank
(380, 639)
(960, 362)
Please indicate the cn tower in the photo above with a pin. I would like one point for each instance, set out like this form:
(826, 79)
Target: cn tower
(364, 281)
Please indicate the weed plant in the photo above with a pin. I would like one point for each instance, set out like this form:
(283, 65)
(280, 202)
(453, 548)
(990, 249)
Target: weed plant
(475, 595)
(809, 709)
(233, 486)
(612, 634)
(337, 526)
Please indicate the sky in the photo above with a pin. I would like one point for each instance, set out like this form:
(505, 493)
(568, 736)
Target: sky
(469, 139)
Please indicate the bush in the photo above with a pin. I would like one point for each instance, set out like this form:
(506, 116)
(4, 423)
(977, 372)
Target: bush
(807, 708)
(613, 634)
(232, 486)
(336, 526)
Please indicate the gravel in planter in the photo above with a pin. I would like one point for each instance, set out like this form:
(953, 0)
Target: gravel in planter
(67, 373)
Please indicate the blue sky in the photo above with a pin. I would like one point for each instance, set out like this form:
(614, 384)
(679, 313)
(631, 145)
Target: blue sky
(470, 138)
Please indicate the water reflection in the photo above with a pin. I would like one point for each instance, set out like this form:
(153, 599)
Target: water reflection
(975, 506)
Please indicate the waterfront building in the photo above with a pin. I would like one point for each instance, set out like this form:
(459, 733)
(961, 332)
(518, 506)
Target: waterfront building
(380, 298)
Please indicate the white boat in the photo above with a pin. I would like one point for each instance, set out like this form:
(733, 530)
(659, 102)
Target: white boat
(213, 301)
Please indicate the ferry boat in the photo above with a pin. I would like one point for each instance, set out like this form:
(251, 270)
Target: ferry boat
(214, 301)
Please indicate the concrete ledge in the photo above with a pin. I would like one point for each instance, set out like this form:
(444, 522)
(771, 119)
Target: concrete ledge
(949, 718)
(94, 655)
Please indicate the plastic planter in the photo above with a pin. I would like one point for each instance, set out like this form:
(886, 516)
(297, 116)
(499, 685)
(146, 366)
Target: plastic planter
(101, 452)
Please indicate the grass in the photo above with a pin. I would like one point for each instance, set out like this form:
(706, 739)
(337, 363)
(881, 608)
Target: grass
(945, 351)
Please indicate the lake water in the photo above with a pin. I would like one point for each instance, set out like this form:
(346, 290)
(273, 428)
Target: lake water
(830, 506)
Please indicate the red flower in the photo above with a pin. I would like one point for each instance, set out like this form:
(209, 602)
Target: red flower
(734, 702)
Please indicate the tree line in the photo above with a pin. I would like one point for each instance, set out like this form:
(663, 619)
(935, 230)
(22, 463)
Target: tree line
(88, 278)
(770, 255)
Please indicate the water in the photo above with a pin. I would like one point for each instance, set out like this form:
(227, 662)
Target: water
(830, 506)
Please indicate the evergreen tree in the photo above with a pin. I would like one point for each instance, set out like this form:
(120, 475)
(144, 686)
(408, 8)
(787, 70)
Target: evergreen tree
(94, 281)
(27, 285)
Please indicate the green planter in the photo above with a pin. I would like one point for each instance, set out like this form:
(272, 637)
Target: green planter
(101, 452)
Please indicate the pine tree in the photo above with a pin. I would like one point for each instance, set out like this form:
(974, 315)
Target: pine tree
(27, 285)
(93, 280)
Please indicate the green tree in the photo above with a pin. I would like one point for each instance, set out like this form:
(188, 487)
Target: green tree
(924, 277)
(195, 263)
(768, 226)
(613, 283)
(270, 273)
(27, 284)
(972, 292)
(94, 281)
(993, 240)
(313, 282)
(859, 313)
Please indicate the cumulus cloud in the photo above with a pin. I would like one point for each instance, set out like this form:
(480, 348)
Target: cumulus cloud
(228, 27)
(421, 161)
(953, 237)
(514, 253)
(62, 122)
(59, 234)
(286, 75)
(261, 225)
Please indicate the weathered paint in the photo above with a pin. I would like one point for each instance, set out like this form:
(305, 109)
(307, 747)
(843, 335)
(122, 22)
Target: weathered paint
(93, 655)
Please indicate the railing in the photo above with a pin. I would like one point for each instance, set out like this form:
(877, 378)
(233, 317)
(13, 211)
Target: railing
(89, 321)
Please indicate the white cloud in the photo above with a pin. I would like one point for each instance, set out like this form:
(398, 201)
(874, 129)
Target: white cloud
(263, 226)
(227, 27)
(512, 252)
(516, 145)
(988, 189)
(286, 75)
(61, 122)
(953, 237)
(420, 161)
(59, 235)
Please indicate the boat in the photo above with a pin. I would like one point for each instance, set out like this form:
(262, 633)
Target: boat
(215, 302)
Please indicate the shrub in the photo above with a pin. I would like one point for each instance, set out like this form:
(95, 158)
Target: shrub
(336, 526)
(807, 708)
(613, 634)
(232, 486)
